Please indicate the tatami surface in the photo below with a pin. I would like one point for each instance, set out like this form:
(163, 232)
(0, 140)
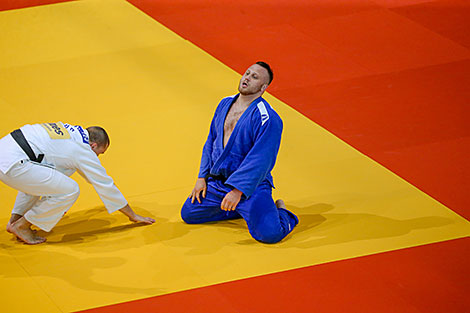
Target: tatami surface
(106, 62)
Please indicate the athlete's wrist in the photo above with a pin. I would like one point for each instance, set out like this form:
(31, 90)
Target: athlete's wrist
(237, 192)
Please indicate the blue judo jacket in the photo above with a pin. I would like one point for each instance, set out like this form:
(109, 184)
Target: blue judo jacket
(251, 151)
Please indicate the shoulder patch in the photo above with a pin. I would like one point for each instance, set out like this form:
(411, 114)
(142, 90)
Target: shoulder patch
(264, 112)
(85, 138)
(80, 130)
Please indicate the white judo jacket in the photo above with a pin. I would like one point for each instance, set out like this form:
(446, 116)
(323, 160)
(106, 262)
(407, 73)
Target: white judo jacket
(66, 148)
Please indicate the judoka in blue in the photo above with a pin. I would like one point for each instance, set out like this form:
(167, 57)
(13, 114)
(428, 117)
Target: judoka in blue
(235, 173)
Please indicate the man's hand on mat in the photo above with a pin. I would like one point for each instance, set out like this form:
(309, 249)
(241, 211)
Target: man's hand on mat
(200, 186)
(231, 200)
(142, 219)
(134, 217)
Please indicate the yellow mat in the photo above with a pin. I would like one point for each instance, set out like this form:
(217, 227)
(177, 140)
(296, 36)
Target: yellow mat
(103, 62)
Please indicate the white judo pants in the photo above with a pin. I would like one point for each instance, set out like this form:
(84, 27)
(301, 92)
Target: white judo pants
(45, 194)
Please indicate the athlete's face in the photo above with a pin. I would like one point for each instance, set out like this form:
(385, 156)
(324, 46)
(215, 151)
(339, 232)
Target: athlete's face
(255, 79)
(97, 149)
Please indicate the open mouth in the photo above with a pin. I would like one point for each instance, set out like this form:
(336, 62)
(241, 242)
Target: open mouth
(244, 85)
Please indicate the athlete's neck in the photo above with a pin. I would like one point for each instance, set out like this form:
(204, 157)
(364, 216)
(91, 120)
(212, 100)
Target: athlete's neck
(245, 100)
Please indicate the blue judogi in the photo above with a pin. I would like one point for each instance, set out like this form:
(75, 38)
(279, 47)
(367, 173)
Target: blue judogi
(245, 164)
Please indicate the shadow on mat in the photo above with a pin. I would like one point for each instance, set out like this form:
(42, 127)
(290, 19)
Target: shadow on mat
(97, 226)
(228, 231)
(40, 261)
(307, 222)
(319, 228)
(77, 230)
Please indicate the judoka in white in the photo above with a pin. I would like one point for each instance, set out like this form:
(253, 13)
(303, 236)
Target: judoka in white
(238, 156)
(45, 190)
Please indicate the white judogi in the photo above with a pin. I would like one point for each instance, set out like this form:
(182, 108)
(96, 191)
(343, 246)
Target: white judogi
(45, 190)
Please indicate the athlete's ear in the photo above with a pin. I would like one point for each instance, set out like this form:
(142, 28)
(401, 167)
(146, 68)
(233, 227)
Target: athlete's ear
(264, 87)
(93, 145)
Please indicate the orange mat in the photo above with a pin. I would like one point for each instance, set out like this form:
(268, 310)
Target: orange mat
(399, 281)
(388, 77)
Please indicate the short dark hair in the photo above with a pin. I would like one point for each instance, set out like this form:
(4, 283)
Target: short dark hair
(268, 68)
(98, 135)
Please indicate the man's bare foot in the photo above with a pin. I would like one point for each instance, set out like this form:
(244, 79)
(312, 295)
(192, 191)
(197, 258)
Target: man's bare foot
(280, 204)
(14, 217)
(21, 228)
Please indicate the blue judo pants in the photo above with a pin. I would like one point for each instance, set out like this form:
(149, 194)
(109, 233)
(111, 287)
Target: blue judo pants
(265, 221)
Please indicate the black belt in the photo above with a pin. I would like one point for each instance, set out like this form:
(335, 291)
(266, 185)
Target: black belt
(23, 143)
(217, 177)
